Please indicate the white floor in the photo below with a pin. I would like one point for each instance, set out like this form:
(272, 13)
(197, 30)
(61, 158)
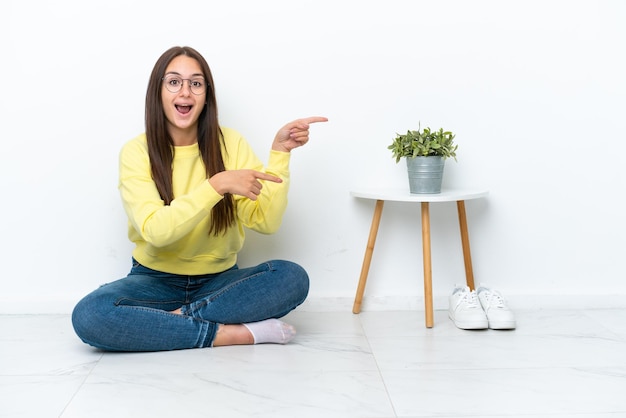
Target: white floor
(563, 363)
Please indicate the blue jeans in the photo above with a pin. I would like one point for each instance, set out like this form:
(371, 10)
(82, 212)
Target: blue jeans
(133, 313)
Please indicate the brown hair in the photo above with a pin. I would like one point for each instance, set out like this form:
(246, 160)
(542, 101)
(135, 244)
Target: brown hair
(210, 138)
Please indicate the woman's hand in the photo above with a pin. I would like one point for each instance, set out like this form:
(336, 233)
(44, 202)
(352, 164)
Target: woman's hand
(241, 182)
(294, 134)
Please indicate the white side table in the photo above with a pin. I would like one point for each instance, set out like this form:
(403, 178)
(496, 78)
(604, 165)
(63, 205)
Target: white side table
(400, 195)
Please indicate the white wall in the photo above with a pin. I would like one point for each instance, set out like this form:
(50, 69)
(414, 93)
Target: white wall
(535, 91)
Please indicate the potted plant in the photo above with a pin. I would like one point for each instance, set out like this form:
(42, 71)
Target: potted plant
(425, 151)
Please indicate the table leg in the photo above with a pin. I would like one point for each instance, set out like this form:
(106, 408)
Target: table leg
(467, 256)
(428, 272)
(369, 250)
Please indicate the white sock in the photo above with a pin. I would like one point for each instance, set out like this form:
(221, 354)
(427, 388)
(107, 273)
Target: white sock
(271, 331)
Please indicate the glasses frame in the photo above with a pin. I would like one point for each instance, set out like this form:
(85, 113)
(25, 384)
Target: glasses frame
(168, 87)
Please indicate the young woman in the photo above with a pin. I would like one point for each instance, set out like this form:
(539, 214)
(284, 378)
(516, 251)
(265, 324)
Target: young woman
(189, 187)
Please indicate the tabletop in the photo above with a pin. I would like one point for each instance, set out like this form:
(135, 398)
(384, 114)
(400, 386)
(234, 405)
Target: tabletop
(403, 195)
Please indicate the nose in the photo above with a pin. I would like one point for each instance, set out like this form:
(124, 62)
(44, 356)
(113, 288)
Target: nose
(186, 87)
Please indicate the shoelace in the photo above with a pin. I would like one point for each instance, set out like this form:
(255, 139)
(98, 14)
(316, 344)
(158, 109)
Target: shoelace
(493, 299)
(470, 298)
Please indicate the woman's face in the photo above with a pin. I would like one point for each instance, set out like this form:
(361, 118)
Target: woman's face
(183, 94)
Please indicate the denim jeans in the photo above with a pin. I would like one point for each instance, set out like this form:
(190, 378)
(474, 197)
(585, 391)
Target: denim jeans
(133, 313)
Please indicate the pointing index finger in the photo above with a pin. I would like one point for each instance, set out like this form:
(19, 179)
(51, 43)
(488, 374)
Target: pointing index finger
(264, 176)
(314, 119)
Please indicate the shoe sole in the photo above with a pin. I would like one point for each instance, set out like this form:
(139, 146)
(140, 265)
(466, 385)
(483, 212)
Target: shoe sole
(502, 325)
(470, 325)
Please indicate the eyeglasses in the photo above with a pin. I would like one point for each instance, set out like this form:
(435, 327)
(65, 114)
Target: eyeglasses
(174, 83)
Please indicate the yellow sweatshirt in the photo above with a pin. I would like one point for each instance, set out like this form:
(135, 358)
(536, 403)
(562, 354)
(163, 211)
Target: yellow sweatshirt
(175, 238)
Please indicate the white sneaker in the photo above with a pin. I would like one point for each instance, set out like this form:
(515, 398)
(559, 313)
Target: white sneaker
(494, 304)
(465, 310)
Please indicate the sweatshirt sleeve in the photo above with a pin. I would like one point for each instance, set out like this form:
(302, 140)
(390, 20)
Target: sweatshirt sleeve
(156, 223)
(265, 214)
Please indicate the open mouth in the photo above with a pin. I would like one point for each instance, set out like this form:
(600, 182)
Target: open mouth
(183, 109)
